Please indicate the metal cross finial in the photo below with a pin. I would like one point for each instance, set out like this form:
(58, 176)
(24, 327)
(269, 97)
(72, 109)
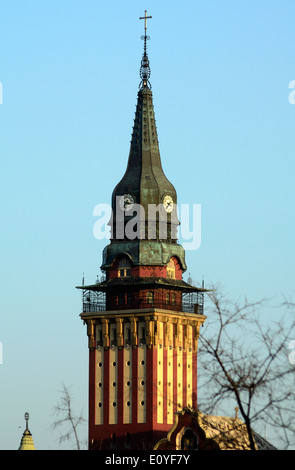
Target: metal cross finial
(145, 17)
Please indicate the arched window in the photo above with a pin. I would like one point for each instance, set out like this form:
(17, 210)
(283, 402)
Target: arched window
(150, 297)
(124, 268)
(171, 269)
(189, 440)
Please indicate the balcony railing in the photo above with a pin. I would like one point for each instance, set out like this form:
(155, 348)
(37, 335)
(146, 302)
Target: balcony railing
(96, 302)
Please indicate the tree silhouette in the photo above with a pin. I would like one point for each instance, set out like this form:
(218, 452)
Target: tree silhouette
(63, 410)
(243, 359)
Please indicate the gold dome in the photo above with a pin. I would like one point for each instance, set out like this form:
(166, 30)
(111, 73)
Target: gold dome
(27, 442)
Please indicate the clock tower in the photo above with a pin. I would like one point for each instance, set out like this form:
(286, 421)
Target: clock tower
(143, 320)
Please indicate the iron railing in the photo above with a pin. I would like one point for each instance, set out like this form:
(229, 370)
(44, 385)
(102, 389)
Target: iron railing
(96, 302)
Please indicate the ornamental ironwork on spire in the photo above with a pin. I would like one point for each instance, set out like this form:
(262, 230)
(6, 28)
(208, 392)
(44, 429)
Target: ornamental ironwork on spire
(145, 71)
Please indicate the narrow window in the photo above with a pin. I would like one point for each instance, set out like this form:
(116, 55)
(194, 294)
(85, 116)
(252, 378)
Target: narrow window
(171, 269)
(124, 268)
(150, 297)
(173, 299)
(142, 335)
(128, 334)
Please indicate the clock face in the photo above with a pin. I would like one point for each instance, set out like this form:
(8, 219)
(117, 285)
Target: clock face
(168, 204)
(126, 202)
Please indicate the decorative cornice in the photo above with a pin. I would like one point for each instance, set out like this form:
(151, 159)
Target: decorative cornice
(177, 336)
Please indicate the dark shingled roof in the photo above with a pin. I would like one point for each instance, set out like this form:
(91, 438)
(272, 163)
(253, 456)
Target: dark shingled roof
(133, 282)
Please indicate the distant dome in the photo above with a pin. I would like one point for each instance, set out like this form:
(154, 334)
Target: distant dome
(27, 442)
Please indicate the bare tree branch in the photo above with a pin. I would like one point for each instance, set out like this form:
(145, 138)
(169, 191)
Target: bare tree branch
(64, 409)
(243, 358)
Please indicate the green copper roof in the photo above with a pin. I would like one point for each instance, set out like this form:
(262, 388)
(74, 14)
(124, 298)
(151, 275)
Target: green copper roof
(144, 178)
(144, 252)
(146, 183)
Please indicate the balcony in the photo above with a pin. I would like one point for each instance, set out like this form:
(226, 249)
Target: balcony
(93, 301)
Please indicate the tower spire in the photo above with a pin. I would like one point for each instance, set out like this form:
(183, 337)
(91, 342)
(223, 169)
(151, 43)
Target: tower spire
(145, 71)
(144, 185)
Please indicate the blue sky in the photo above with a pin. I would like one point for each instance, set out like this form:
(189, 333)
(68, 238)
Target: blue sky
(70, 75)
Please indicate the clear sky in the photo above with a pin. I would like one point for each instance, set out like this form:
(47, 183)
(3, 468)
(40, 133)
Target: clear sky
(70, 74)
